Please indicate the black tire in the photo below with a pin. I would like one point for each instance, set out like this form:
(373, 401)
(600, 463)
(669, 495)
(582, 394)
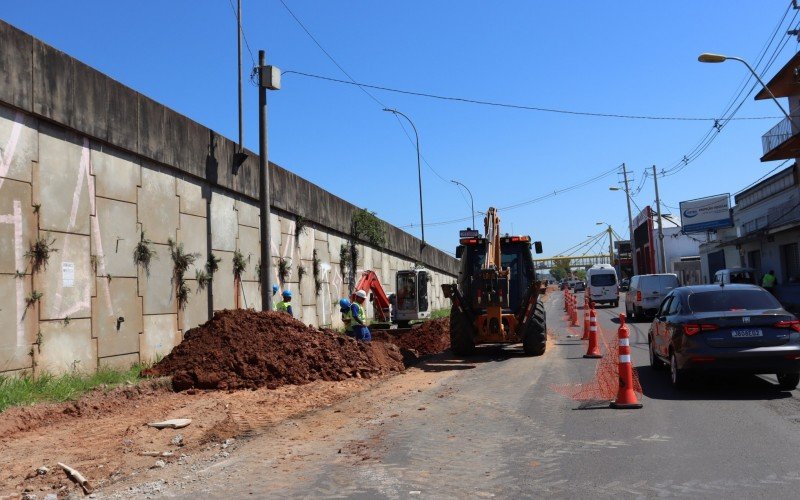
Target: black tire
(678, 377)
(615, 303)
(628, 313)
(638, 314)
(534, 335)
(788, 381)
(461, 342)
(403, 324)
(655, 362)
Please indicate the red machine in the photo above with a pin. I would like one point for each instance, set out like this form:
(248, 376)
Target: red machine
(370, 283)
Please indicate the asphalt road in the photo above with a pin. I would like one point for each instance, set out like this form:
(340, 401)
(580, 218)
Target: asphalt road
(492, 426)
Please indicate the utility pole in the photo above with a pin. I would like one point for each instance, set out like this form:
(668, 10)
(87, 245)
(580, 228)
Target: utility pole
(268, 78)
(630, 220)
(239, 46)
(610, 247)
(662, 259)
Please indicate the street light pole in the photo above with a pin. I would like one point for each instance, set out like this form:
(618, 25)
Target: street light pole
(661, 254)
(471, 200)
(718, 58)
(419, 171)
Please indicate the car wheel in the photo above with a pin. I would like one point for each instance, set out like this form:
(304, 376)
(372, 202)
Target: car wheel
(788, 381)
(655, 362)
(637, 313)
(677, 376)
(615, 303)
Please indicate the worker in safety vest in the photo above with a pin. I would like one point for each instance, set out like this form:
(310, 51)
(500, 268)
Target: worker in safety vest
(286, 304)
(347, 318)
(358, 318)
(768, 283)
(274, 292)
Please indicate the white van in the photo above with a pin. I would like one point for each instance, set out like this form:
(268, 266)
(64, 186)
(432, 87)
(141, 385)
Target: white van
(601, 284)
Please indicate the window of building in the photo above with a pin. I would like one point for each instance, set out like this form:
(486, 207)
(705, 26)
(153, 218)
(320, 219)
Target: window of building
(790, 261)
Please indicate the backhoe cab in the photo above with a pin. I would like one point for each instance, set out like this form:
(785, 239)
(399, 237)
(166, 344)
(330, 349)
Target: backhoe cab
(497, 298)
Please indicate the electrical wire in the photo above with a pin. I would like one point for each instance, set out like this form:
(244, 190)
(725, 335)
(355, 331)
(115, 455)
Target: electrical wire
(521, 106)
(244, 36)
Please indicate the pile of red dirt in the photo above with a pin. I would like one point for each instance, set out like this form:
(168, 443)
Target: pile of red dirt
(246, 349)
(430, 337)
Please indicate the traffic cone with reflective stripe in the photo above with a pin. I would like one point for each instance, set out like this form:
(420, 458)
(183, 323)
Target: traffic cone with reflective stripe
(593, 349)
(626, 397)
(585, 318)
(566, 299)
(574, 310)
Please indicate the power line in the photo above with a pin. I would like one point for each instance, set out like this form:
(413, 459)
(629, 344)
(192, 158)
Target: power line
(520, 106)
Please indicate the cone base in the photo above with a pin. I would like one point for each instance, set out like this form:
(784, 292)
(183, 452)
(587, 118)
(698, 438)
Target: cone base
(625, 406)
(594, 356)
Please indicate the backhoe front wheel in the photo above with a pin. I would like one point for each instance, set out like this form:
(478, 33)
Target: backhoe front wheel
(461, 342)
(534, 338)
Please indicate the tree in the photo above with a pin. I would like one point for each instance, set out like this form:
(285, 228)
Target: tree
(561, 267)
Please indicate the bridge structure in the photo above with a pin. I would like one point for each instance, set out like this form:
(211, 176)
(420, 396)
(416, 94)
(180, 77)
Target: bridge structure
(586, 261)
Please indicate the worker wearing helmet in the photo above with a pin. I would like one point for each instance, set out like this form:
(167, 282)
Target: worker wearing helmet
(358, 317)
(274, 292)
(286, 304)
(344, 308)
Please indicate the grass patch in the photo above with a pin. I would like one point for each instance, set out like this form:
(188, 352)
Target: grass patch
(22, 391)
(440, 313)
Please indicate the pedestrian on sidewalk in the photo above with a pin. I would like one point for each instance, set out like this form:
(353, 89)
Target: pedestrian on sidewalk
(768, 283)
(358, 318)
(285, 305)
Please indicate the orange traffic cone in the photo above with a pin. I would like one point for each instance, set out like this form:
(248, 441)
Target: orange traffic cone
(566, 299)
(592, 350)
(574, 310)
(585, 320)
(626, 397)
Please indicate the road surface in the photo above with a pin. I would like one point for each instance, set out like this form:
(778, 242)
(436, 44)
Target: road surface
(492, 426)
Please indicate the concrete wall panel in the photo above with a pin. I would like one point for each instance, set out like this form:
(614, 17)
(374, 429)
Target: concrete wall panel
(157, 288)
(61, 181)
(224, 227)
(122, 116)
(53, 77)
(117, 174)
(224, 297)
(192, 197)
(19, 144)
(196, 311)
(116, 299)
(122, 362)
(117, 238)
(159, 336)
(250, 295)
(249, 246)
(17, 226)
(248, 213)
(158, 204)
(152, 141)
(192, 235)
(17, 323)
(66, 347)
(90, 109)
(67, 284)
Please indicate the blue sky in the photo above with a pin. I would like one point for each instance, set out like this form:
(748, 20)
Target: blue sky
(623, 57)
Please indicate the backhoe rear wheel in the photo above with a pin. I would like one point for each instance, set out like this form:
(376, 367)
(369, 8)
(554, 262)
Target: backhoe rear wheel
(461, 342)
(534, 335)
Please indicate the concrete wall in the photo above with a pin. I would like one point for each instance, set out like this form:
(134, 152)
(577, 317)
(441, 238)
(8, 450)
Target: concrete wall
(88, 164)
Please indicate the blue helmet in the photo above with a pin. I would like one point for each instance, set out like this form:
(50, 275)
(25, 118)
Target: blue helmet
(274, 289)
(344, 302)
(287, 294)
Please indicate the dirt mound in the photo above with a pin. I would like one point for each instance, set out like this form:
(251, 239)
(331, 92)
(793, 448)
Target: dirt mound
(430, 337)
(246, 349)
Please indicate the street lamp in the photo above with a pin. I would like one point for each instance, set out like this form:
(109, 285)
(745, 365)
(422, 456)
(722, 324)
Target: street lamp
(610, 243)
(718, 58)
(419, 170)
(471, 200)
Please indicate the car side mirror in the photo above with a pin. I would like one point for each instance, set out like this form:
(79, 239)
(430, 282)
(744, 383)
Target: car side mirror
(537, 245)
(459, 251)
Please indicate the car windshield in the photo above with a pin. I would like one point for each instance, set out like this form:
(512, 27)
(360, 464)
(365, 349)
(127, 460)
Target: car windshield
(732, 300)
(607, 279)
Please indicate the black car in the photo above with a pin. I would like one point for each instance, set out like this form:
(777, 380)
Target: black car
(732, 328)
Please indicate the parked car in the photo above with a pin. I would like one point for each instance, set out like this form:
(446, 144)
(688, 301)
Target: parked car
(645, 293)
(732, 328)
(736, 275)
(579, 286)
(624, 284)
(602, 281)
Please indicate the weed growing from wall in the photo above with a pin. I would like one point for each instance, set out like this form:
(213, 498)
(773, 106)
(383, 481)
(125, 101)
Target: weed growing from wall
(33, 298)
(301, 271)
(239, 265)
(39, 252)
(181, 262)
(300, 225)
(284, 268)
(203, 279)
(212, 265)
(143, 253)
(344, 254)
(366, 226)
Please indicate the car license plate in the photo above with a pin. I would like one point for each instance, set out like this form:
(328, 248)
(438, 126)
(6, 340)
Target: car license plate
(747, 332)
